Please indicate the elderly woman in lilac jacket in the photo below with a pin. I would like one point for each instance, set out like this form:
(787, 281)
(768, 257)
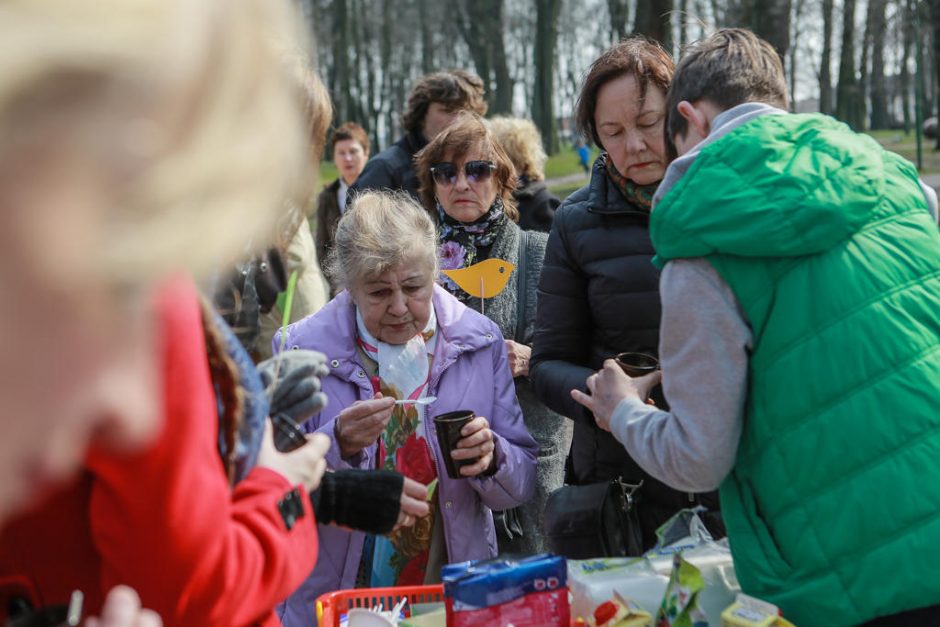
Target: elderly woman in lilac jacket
(395, 335)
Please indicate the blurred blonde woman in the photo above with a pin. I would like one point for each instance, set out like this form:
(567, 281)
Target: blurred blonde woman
(522, 142)
(130, 137)
(295, 237)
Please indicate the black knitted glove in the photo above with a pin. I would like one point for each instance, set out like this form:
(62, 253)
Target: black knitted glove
(365, 500)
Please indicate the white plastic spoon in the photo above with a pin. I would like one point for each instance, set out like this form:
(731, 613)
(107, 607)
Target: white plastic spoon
(427, 400)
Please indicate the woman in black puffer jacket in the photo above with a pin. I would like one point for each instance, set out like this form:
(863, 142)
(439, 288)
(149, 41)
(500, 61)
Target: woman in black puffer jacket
(599, 291)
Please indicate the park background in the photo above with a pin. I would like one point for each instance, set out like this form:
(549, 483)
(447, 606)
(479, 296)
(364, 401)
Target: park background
(870, 63)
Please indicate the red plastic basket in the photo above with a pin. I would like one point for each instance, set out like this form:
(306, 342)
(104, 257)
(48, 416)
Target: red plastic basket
(332, 605)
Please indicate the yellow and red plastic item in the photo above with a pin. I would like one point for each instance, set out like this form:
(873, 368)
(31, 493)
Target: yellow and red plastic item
(620, 612)
(750, 612)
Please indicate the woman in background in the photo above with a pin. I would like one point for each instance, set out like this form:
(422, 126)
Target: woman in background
(467, 181)
(522, 142)
(599, 291)
(350, 154)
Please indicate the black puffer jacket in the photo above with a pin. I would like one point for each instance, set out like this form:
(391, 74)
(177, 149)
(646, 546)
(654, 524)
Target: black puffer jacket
(536, 206)
(599, 296)
(392, 169)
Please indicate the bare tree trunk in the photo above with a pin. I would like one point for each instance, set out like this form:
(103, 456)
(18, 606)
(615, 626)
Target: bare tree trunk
(619, 11)
(935, 28)
(386, 73)
(700, 17)
(879, 93)
(907, 38)
(847, 89)
(794, 49)
(683, 23)
(718, 13)
(427, 37)
(825, 69)
(770, 20)
(654, 19)
(481, 24)
(502, 103)
(546, 36)
(863, 76)
(339, 77)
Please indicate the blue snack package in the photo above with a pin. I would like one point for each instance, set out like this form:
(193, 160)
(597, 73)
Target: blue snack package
(484, 583)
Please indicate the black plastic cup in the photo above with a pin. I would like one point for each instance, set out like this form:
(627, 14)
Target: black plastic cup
(287, 435)
(448, 426)
(637, 364)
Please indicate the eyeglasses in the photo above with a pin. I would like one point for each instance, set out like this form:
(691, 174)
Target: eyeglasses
(445, 173)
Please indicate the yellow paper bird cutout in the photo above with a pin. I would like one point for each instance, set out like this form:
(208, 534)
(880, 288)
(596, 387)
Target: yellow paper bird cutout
(483, 280)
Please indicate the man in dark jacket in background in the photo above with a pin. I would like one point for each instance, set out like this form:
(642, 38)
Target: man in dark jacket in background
(432, 105)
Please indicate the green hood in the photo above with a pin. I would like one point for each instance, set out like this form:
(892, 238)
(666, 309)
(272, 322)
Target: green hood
(778, 186)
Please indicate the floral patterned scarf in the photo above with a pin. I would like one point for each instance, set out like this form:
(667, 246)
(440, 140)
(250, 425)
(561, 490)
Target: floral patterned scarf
(463, 245)
(639, 195)
(401, 558)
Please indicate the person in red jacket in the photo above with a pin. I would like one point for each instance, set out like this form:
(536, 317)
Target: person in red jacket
(164, 519)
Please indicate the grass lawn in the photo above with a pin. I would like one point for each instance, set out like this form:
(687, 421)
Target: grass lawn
(566, 161)
(563, 191)
(328, 174)
(906, 146)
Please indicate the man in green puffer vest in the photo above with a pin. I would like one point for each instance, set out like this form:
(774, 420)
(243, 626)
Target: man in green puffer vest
(800, 346)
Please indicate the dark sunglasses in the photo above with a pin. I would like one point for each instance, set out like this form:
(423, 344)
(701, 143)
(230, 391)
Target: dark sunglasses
(445, 173)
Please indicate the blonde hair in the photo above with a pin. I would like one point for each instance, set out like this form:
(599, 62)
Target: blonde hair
(187, 106)
(523, 143)
(378, 232)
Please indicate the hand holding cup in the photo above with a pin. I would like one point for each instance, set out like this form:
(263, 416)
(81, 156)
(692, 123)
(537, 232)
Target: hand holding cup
(476, 447)
(609, 386)
(466, 442)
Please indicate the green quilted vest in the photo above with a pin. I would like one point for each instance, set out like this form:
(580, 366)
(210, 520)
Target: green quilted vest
(833, 506)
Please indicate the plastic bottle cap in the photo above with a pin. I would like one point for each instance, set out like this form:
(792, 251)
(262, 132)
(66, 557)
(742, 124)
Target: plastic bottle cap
(604, 612)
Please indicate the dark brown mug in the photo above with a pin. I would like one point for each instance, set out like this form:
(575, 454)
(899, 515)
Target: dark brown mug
(637, 364)
(448, 426)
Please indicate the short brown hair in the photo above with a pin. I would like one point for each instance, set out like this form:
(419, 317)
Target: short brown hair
(350, 130)
(467, 132)
(730, 67)
(455, 89)
(644, 58)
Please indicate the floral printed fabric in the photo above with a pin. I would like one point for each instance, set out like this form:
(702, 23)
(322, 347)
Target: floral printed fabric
(639, 195)
(463, 245)
(400, 559)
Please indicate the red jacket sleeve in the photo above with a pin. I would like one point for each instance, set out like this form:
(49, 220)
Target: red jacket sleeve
(165, 520)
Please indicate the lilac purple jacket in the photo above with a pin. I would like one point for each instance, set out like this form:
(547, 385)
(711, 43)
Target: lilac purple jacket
(470, 371)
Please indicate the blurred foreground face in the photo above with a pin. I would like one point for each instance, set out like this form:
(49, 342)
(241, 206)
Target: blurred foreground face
(129, 143)
(78, 358)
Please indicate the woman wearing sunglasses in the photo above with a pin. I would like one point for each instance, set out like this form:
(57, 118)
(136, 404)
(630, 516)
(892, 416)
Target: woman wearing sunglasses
(466, 183)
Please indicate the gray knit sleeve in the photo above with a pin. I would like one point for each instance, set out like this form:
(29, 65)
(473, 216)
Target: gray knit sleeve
(705, 342)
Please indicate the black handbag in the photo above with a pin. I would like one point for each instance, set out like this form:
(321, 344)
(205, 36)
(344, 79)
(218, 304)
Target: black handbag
(595, 520)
